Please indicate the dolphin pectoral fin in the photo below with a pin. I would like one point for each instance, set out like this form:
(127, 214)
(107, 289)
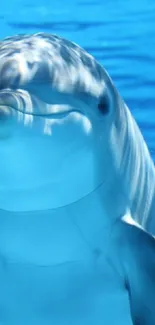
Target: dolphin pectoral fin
(141, 274)
(136, 262)
(128, 219)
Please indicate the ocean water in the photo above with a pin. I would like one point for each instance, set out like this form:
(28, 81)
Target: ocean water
(120, 34)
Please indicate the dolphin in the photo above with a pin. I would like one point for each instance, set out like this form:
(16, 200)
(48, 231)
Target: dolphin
(75, 171)
(47, 76)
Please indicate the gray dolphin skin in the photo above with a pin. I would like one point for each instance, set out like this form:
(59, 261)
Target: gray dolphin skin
(73, 165)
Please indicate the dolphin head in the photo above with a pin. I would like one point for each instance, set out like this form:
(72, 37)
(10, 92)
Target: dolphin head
(59, 113)
(53, 72)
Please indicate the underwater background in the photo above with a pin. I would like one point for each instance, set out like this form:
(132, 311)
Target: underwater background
(120, 34)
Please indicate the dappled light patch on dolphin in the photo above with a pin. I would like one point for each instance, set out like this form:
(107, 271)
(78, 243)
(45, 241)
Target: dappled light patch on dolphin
(74, 116)
(66, 66)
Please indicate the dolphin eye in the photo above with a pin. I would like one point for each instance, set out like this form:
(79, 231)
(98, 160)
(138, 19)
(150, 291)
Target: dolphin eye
(104, 105)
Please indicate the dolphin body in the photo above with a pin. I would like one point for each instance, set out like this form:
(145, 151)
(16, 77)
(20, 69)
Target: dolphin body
(39, 75)
(73, 165)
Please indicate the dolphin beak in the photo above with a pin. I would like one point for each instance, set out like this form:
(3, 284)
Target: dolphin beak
(26, 103)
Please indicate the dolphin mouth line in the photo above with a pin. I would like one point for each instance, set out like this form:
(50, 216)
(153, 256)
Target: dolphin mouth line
(59, 115)
(52, 115)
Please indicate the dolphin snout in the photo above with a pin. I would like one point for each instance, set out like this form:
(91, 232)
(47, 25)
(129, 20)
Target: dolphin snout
(23, 101)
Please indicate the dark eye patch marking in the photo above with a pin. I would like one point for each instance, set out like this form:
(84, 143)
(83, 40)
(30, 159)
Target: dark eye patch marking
(104, 105)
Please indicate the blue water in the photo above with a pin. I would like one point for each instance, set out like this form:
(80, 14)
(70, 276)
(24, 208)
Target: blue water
(120, 34)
